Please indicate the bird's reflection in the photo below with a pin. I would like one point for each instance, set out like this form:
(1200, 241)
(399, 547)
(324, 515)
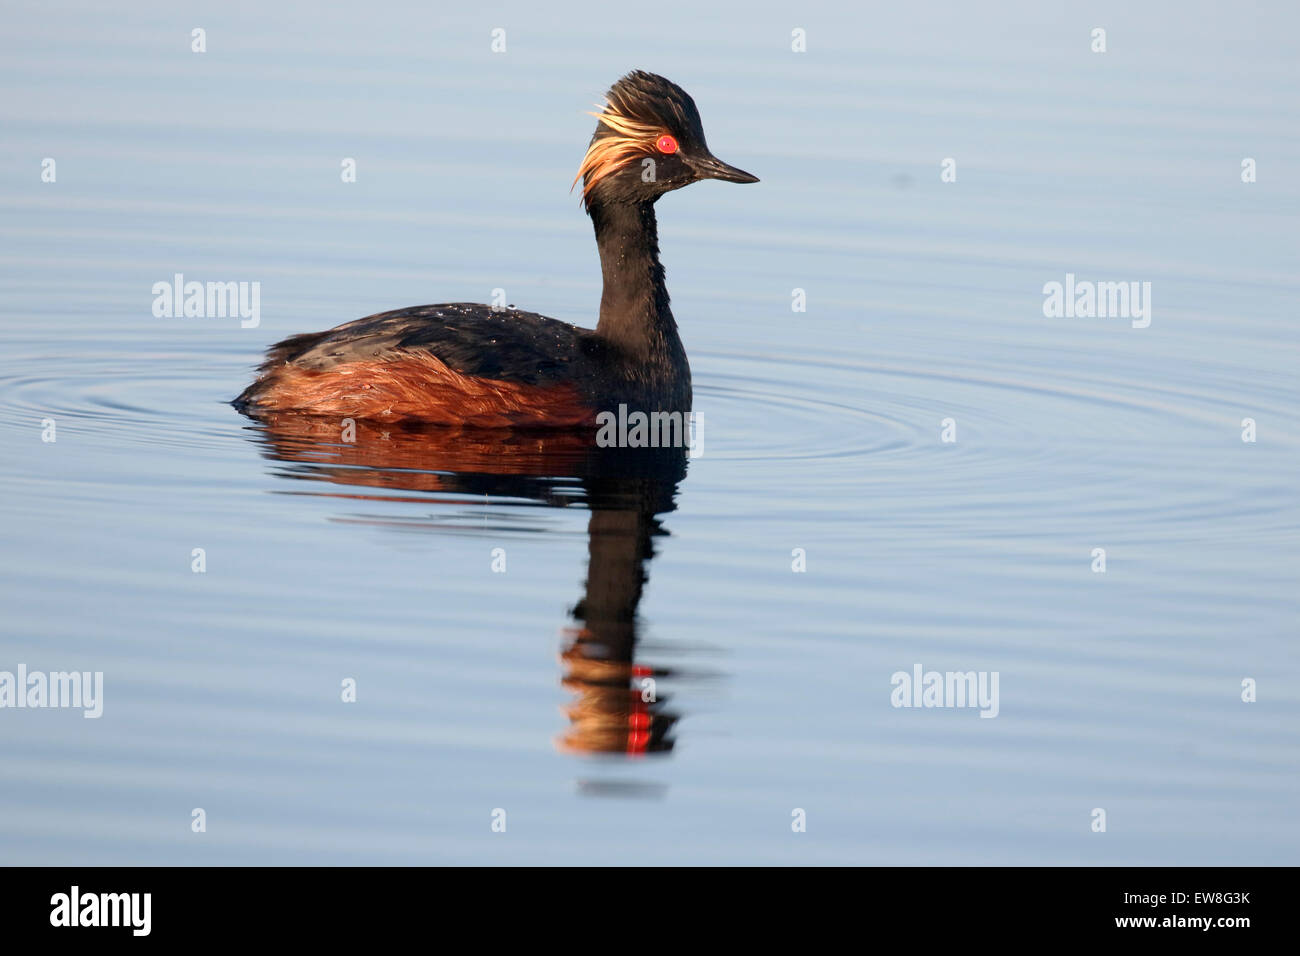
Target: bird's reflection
(618, 708)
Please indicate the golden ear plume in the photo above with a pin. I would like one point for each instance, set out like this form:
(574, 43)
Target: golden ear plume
(609, 153)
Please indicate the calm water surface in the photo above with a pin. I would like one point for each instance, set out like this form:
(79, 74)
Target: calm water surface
(480, 690)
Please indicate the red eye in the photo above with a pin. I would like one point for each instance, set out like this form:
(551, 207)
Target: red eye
(666, 144)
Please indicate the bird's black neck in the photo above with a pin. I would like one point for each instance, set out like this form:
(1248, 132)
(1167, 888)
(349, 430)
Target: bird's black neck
(634, 312)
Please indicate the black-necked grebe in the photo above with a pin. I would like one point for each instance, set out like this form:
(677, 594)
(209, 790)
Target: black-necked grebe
(471, 364)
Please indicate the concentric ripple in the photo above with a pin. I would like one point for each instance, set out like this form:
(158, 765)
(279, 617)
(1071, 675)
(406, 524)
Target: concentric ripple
(1027, 439)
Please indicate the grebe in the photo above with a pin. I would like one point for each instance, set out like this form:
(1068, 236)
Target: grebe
(468, 364)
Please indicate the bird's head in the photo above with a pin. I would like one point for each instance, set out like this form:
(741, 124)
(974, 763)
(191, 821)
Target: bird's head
(648, 141)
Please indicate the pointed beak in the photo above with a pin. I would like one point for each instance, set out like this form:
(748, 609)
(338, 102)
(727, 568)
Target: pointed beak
(710, 167)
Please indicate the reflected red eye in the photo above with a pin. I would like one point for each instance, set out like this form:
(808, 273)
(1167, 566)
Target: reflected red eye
(666, 144)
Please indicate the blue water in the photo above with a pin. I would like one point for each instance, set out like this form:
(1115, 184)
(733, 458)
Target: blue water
(1119, 690)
